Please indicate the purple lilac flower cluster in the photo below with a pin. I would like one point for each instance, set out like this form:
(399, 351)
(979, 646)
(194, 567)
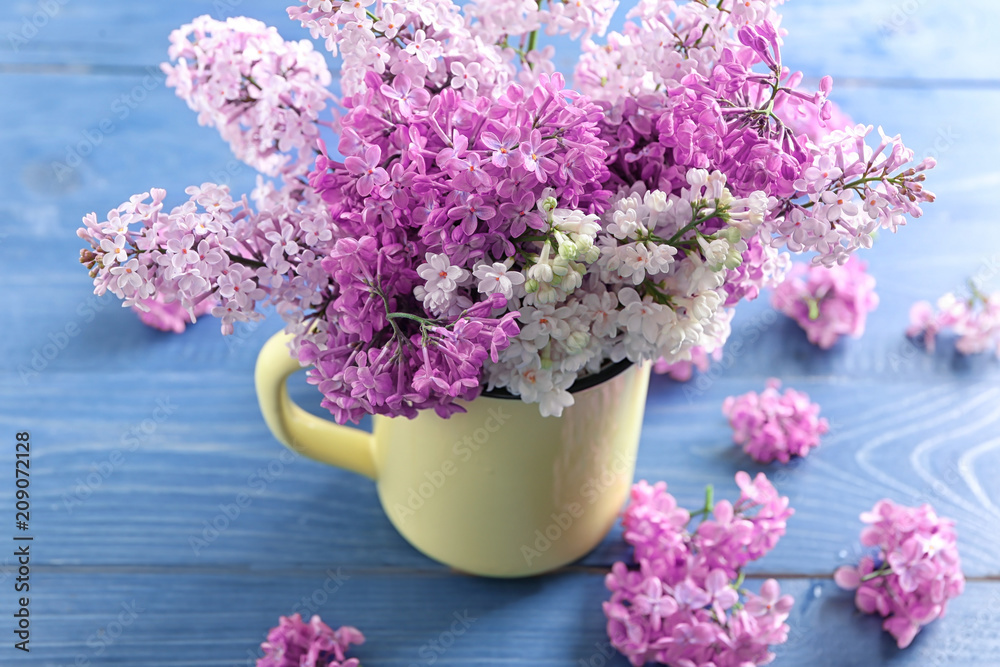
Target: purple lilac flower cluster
(914, 572)
(827, 302)
(685, 94)
(774, 426)
(975, 320)
(683, 603)
(480, 224)
(295, 643)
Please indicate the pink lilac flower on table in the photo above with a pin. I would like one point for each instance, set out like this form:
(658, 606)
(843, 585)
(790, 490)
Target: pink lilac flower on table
(828, 302)
(774, 426)
(479, 224)
(170, 316)
(295, 643)
(914, 572)
(975, 320)
(682, 601)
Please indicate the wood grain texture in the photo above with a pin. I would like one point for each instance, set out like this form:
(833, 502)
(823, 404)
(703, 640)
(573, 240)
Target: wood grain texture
(914, 443)
(218, 617)
(905, 425)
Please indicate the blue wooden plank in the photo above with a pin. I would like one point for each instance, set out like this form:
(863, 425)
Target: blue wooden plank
(117, 34)
(220, 618)
(914, 443)
(858, 39)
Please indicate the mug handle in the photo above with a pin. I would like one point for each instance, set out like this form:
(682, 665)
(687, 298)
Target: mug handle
(320, 439)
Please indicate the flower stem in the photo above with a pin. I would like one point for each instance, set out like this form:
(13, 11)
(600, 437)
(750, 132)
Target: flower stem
(532, 39)
(252, 263)
(877, 573)
(409, 316)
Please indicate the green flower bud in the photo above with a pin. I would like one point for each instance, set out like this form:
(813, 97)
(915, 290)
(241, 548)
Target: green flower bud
(733, 258)
(577, 342)
(731, 234)
(568, 250)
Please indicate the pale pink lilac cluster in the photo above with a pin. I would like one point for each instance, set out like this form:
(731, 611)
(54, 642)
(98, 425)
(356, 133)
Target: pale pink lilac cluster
(264, 95)
(828, 302)
(774, 426)
(683, 601)
(914, 572)
(974, 320)
(479, 224)
(295, 643)
(169, 315)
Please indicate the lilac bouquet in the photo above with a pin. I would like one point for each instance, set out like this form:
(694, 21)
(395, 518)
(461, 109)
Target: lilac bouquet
(477, 224)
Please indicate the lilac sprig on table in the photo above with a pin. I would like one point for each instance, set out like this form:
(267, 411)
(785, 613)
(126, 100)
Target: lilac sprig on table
(295, 643)
(482, 225)
(913, 572)
(683, 601)
(774, 426)
(974, 320)
(828, 302)
(682, 371)
(158, 313)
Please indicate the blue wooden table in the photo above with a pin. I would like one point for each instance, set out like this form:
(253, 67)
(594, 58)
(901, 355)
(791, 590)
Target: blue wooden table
(143, 440)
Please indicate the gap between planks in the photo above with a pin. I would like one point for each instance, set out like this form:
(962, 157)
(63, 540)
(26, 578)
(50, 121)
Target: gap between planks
(231, 570)
(840, 81)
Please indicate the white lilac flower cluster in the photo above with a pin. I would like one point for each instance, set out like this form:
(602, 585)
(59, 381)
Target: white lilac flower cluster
(579, 302)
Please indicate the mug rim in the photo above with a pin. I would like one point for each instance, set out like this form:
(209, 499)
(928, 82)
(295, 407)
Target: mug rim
(611, 370)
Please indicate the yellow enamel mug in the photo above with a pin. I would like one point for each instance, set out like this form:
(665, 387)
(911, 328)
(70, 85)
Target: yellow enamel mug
(496, 491)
